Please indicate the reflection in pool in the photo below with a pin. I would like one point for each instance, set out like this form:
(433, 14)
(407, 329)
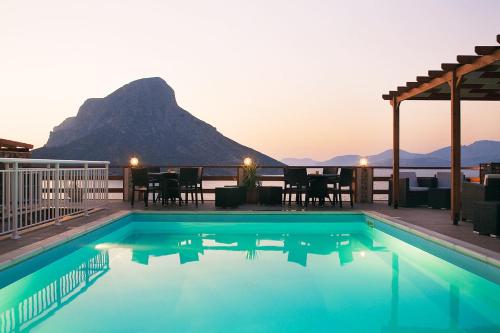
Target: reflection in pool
(247, 277)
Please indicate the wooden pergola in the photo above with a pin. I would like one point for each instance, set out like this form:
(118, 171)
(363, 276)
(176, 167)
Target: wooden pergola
(472, 78)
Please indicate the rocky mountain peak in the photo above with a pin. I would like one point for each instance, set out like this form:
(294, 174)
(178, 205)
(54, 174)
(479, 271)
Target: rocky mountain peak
(143, 118)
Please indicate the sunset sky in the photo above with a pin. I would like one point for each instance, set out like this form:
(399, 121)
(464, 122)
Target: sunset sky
(288, 78)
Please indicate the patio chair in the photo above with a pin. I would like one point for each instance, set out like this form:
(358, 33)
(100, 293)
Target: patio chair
(474, 192)
(154, 183)
(317, 188)
(346, 179)
(140, 183)
(188, 183)
(169, 188)
(413, 190)
(295, 183)
(332, 182)
(200, 182)
(440, 194)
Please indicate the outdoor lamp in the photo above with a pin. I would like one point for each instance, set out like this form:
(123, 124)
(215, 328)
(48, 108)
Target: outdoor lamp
(247, 161)
(134, 161)
(363, 162)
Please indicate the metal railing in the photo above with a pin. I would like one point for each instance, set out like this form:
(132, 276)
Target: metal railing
(37, 191)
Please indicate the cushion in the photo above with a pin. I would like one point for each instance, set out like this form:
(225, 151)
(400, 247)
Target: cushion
(418, 189)
(490, 176)
(412, 176)
(444, 179)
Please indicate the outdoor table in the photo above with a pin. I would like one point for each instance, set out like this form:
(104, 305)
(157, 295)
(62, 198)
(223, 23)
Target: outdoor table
(439, 197)
(270, 195)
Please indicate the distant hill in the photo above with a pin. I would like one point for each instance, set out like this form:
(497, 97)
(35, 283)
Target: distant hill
(142, 118)
(473, 154)
(299, 161)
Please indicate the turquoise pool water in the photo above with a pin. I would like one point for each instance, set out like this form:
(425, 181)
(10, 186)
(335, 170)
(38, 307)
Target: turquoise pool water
(249, 273)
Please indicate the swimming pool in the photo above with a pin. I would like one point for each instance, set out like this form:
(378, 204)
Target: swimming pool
(283, 272)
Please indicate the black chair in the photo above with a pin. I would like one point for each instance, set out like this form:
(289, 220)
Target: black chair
(332, 181)
(170, 189)
(295, 183)
(140, 183)
(188, 183)
(154, 182)
(345, 180)
(200, 182)
(317, 187)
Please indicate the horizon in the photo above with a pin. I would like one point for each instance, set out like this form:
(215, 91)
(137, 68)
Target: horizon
(264, 64)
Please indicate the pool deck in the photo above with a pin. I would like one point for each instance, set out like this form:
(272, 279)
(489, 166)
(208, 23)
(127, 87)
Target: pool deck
(433, 222)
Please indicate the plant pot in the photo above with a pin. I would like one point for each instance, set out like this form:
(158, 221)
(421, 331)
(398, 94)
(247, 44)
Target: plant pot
(252, 195)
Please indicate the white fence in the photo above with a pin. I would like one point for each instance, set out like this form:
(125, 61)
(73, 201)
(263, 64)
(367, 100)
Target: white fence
(34, 191)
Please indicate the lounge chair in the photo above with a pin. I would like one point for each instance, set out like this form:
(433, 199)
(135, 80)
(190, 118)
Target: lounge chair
(413, 190)
(440, 195)
(474, 192)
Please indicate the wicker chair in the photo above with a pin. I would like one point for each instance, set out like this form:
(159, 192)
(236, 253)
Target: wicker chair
(140, 183)
(188, 183)
(200, 183)
(170, 189)
(440, 195)
(317, 188)
(473, 192)
(295, 183)
(413, 190)
(331, 181)
(346, 179)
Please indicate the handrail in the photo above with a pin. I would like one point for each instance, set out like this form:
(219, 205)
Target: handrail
(49, 161)
(175, 166)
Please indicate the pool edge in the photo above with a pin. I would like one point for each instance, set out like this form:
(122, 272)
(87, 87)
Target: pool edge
(13, 257)
(476, 252)
(484, 255)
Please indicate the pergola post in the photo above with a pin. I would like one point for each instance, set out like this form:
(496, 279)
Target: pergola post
(395, 152)
(456, 164)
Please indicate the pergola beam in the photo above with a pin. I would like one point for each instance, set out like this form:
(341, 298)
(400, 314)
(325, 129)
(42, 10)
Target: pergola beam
(444, 77)
(480, 86)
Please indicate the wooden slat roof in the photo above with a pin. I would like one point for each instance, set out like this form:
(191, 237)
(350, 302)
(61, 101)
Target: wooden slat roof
(4, 143)
(480, 79)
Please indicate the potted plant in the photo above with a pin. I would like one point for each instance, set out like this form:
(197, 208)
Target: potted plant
(250, 180)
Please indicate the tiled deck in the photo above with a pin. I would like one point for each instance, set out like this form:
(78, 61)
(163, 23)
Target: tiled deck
(434, 220)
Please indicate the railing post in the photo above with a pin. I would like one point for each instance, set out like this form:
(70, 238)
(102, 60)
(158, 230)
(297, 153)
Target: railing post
(106, 183)
(56, 195)
(364, 185)
(15, 201)
(86, 189)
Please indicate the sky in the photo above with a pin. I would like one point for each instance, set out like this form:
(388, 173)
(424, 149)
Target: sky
(288, 78)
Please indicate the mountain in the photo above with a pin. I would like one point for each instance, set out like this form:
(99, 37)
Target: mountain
(299, 161)
(142, 118)
(473, 154)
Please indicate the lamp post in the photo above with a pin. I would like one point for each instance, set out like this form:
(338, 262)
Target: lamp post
(127, 177)
(134, 162)
(364, 182)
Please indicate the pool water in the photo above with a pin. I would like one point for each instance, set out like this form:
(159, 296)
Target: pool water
(249, 273)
